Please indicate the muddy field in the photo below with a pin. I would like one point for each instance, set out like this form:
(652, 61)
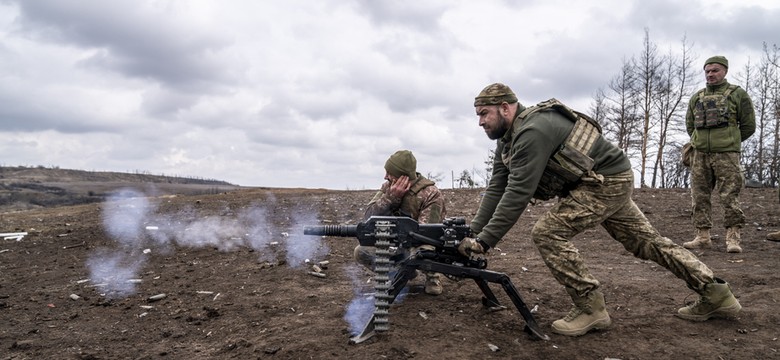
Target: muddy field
(225, 276)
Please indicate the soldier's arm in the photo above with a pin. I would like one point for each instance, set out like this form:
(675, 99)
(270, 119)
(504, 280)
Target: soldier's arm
(689, 116)
(746, 116)
(382, 204)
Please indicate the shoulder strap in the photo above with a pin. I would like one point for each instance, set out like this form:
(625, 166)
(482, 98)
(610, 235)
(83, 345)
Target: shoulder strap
(564, 110)
(421, 183)
(728, 91)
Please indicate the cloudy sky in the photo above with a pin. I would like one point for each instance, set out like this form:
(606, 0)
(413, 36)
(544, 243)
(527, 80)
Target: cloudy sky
(316, 94)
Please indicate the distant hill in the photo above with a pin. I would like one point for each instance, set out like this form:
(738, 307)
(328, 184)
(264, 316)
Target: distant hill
(23, 188)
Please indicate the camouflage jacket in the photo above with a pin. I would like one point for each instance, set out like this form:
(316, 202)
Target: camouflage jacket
(423, 202)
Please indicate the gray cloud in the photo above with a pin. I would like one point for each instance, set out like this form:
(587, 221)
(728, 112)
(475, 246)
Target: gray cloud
(313, 94)
(137, 40)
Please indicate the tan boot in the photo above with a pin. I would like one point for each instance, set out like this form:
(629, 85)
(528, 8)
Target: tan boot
(702, 240)
(733, 240)
(775, 236)
(433, 284)
(716, 300)
(589, 313)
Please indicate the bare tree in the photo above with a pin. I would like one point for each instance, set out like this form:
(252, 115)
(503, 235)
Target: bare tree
(770, 114)
(466, 180)
(647, 68)
(676, 175)
(616, 110)
(760, 152)
(674, 85)
(773, 61)
(438, 177)
(489, 166)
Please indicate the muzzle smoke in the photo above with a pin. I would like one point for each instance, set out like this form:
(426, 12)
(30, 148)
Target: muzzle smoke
(140, 230)
(361, 307)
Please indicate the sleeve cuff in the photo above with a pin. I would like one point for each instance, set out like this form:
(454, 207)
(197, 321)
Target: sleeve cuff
(484, 245)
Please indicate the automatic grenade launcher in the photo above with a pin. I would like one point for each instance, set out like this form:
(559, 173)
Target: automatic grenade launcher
(389, 234)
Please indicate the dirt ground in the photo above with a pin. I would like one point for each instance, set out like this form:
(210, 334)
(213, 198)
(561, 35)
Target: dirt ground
(87, 282)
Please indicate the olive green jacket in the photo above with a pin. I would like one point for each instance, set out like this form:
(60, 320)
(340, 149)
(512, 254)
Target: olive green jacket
(742, 122)
(531, 142)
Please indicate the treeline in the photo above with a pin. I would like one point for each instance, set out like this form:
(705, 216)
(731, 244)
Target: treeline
(642, 109)
(25, 196)
(54, 173)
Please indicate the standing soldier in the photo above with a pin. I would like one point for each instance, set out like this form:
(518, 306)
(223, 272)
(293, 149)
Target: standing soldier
(720, 117)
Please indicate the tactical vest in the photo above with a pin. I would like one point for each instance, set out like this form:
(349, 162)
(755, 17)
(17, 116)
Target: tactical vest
(712, 111)
(410, 204)
(570, 162)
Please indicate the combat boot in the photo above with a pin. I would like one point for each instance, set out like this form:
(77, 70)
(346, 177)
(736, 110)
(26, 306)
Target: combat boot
(433, 284)
(775, 236)
(702, 240)
(732, 240)
(715, 300)
(589, 313)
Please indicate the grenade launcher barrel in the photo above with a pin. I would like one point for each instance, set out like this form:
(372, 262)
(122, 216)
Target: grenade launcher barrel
(331, 230)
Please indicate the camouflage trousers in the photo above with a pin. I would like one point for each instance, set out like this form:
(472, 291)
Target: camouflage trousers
(721, 171)
(608, 203)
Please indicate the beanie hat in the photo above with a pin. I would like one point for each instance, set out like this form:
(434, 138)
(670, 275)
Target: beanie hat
(402, 162)
(495, 94)
(718, 59)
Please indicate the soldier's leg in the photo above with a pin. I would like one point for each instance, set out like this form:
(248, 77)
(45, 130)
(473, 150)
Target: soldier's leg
(702, 184)
(730, 182)
(552, 234)
(433, 280)
(630, 227)
(585, 207)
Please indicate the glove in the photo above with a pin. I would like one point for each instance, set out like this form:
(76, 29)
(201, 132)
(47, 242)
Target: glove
(470, 246)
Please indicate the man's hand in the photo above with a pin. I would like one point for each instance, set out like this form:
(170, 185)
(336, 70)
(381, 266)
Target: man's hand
(399, 187)
(470, 246)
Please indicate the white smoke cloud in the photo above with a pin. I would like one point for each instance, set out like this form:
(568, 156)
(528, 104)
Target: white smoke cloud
(123, 215)
(361, 307)
(134, 221)
(302, 247)
(114, 272)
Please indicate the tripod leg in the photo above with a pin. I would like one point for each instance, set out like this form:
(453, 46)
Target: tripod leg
(531, 326)
(489, 300)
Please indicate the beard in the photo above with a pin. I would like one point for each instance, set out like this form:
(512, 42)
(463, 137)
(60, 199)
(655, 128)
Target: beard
(502, 126)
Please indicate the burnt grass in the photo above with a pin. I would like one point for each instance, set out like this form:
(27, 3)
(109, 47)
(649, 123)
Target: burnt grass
(224, 277)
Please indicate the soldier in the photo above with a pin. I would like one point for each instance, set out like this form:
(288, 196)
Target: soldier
(549, 150)
(720, 117)
(406, 193)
